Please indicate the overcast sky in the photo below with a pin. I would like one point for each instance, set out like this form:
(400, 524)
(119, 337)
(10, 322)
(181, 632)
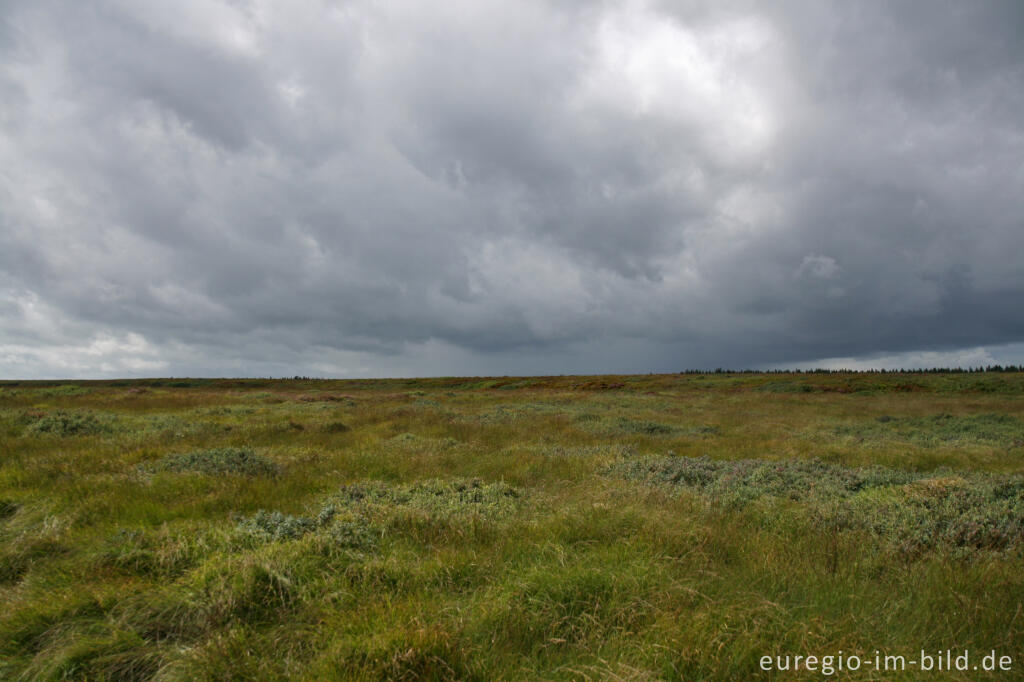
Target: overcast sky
(356, 188)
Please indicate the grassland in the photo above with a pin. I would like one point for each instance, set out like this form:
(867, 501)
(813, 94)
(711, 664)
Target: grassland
(634, 527)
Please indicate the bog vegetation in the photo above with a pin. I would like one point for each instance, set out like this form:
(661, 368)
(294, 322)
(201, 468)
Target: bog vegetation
(633, 527)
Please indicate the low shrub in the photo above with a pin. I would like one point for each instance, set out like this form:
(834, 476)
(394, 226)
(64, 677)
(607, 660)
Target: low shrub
(916, 511)
(940, 429)
(796, 479)
(349, 533)
(277, 526)
(63, 423)
(219, 461)
(358, 515)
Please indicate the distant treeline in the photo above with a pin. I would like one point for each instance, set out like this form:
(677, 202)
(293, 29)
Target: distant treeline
(822, 370)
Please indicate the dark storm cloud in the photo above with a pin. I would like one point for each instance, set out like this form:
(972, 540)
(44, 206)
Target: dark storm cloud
(357, 188)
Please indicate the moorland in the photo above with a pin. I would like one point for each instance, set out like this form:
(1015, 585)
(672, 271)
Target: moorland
(608, 527)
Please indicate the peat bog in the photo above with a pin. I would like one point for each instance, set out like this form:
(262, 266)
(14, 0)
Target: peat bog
(620, 527)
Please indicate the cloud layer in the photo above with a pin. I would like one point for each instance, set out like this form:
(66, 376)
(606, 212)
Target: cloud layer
(256, 188)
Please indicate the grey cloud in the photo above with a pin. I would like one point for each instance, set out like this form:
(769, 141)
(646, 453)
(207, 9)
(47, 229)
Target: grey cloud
(536, 187)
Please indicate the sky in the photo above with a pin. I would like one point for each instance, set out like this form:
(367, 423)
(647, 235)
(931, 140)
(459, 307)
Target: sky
(475, 187)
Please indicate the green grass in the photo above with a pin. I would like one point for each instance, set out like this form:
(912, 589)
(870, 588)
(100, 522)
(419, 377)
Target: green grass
(650, 527)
